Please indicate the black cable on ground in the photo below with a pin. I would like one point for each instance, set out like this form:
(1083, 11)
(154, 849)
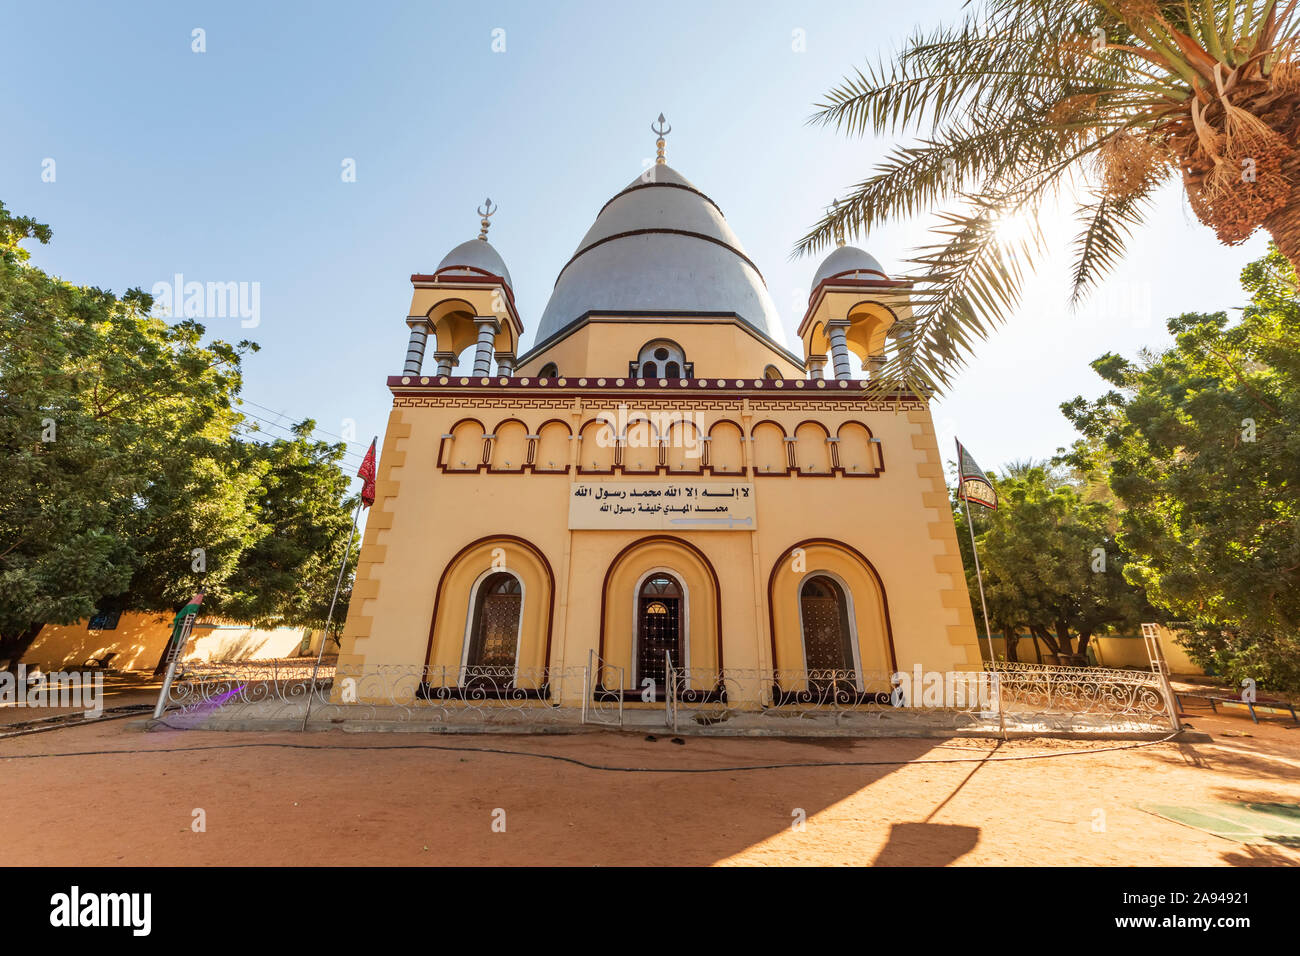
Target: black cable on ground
(590, 766)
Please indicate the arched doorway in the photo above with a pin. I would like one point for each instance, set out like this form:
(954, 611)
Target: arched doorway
(492, 638)
(827, 634)
(660, 614)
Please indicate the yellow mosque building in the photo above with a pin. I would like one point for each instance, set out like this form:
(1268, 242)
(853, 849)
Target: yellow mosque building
(658, 482)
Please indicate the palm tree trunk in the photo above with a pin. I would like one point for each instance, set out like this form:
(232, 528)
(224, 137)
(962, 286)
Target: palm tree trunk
(1284, 226)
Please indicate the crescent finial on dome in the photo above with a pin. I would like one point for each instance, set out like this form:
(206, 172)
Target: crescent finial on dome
(486, 210)
(660, 129)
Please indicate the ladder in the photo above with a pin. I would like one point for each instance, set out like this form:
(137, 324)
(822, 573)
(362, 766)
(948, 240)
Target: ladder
(1160, 667)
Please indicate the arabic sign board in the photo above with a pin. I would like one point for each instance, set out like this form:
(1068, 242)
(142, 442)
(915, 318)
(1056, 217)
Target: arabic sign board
(664, 506)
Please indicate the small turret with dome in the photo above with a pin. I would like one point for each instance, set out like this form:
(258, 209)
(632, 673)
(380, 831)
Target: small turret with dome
(851, 310)
(477, 256)
(468, 301)
(847, 262)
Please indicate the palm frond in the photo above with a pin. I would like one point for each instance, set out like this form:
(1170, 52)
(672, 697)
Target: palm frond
(1009, 102)
(1108, 223)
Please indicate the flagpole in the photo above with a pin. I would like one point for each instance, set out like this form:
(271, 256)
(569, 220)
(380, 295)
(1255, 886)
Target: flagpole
(329, 618)
(979, 575)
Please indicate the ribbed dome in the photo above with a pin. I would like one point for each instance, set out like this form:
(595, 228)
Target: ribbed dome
(660, 245)
(477, 254)
(849, 262)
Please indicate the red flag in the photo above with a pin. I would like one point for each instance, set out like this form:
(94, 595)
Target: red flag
(367, 473)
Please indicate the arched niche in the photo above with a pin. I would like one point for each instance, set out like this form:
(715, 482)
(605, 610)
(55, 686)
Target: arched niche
(812, 452)
(510, 446)
(856, 451)
(463, 451)
(451, 632)
(726, 449)
(868, 611)
(621, 612)
(871, 322)
(683, 449)
(640, 447)
(816, 341)
(769, 450)
(596, 454)
(552, 453)
(453, 326)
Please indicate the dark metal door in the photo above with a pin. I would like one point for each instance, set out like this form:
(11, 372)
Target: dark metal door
(498, 630)
(658, 634)
(826, 635)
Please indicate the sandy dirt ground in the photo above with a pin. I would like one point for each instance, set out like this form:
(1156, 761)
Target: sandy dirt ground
(110, 794)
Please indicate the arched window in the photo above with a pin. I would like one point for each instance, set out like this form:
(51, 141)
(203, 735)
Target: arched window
(771, 373)
(827, 635)
(661, 357)
(493, 637)
(659, 625)
(549, 371)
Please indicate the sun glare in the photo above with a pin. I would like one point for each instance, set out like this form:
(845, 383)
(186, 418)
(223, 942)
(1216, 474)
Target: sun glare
(1014, 228)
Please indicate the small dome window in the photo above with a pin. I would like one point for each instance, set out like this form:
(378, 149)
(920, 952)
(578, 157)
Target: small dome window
(549, 371)
(658, 358)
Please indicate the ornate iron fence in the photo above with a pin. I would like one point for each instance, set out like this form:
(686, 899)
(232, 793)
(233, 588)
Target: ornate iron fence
(1079, 697)
(236, 694)
(600, 705)
(1013, 697)
(1022, 698)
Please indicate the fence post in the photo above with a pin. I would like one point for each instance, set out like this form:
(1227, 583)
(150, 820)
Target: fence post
(1002, 714)
(586, 685)
(670, 678)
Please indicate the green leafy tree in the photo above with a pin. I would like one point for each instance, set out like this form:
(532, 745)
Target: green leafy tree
(100, 406)
(1201, 444)
(288, 576)
(1051, 564)
(129, 480)
(1025, 100)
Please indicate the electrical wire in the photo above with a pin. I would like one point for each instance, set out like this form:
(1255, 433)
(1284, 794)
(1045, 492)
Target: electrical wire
(273, 411)
(289, 430)
(593, 766)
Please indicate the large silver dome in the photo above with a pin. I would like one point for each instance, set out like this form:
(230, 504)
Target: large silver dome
(474, 258)
(660, 245)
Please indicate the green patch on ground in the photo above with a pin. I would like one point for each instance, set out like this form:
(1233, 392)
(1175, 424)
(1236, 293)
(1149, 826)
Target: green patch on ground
(1243, 822)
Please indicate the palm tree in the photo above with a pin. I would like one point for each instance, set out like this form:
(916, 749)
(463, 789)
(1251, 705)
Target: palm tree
(1104, 100)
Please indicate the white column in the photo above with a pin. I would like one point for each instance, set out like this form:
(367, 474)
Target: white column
(817, 366)
(420, 329)
(506, 363)
(488, 327)
(874, 364)
(446, 362)
(837, 329)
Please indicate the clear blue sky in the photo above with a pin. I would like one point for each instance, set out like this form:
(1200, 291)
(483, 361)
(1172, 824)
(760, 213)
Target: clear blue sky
(225, 166)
